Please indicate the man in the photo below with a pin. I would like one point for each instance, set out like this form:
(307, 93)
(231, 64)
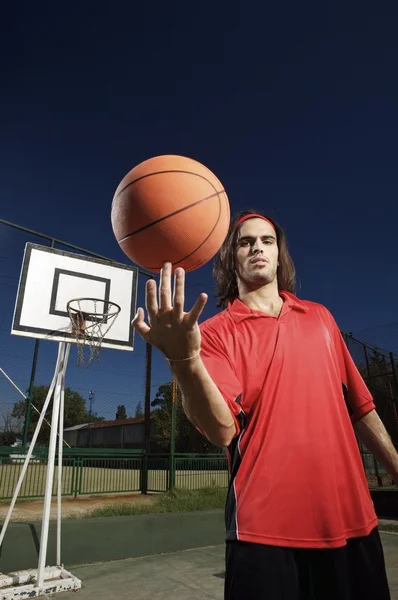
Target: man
(270, 379)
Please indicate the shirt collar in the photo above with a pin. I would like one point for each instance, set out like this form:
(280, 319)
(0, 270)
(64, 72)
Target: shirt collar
(239, 311)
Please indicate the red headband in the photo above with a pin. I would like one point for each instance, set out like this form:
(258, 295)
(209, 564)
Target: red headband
(253, 216)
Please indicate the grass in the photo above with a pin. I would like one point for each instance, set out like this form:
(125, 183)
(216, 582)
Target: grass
(389, 527)
(171, 502)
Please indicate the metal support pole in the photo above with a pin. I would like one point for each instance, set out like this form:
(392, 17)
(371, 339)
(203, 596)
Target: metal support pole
(172, 470)
(147, 419)
(29, 398)
(60, 456)
(31, 448)
(60, 378)
(147, 411)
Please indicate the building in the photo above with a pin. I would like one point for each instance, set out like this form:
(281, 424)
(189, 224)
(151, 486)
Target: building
(124, 433)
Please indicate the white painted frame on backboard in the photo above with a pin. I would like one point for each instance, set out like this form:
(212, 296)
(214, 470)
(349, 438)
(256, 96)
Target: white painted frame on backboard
(51, 277)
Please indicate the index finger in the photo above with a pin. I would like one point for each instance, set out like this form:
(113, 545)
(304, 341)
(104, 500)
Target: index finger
(197, 309)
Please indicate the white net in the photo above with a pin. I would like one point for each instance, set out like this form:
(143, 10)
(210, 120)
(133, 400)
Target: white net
(91, 319)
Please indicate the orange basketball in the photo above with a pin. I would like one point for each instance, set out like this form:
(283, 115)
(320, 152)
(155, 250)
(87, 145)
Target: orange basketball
(170, 208)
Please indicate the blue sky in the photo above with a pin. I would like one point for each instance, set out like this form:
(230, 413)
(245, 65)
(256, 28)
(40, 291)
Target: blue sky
(294, 111)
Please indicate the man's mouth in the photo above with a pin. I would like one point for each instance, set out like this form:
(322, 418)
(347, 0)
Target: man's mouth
(259, 261)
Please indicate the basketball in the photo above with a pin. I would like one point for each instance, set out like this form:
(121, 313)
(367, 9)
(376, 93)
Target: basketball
(170, 208)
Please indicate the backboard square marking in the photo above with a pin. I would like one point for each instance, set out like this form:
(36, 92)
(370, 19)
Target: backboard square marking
(58, 293)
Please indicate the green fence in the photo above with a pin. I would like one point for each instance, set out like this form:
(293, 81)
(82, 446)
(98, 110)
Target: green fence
(90, 472)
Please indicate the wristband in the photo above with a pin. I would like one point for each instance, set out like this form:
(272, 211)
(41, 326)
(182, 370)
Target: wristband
(177, 360)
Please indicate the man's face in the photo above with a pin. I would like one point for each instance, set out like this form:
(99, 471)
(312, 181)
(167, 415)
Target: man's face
(256, 253)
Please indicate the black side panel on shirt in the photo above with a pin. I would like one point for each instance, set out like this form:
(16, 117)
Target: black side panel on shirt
(345, 393)
(235, 461)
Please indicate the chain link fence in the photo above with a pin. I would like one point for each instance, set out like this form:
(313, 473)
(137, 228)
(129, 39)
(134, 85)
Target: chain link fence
(380, 372)
(128, 403)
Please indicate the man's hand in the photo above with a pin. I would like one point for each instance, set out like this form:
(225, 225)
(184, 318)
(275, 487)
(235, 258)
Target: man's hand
(174, 332)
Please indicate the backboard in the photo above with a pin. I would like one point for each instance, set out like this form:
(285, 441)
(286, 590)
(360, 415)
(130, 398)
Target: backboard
(51, 277)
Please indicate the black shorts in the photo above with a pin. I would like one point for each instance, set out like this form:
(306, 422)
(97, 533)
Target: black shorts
(354, 572)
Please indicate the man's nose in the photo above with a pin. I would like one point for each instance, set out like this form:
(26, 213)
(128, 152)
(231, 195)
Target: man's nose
(257, 246)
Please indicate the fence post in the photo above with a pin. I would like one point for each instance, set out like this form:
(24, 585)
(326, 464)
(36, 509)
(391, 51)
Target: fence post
(172, 468)
(144, 474)
(77, 475)
(29, 396)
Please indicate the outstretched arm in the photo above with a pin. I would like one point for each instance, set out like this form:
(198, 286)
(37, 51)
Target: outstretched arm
(176, 333)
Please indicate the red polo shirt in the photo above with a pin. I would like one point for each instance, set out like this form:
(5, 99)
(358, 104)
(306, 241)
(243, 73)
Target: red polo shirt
(296, 472)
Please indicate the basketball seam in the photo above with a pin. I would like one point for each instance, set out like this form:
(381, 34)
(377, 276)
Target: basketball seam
(176, 212)
(161, 173)
(201, 244)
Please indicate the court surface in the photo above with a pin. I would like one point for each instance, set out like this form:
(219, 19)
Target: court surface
(189, 575)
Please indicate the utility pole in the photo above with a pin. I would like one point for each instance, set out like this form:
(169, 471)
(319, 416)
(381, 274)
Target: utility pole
(91, 399)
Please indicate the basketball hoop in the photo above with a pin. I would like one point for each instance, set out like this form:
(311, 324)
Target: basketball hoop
(91, 319)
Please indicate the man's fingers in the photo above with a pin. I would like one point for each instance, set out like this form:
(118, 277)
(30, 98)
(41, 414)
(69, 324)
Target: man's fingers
(197, 309)
(179, 294)
(165, 288)
(139, 324)
(151, 302)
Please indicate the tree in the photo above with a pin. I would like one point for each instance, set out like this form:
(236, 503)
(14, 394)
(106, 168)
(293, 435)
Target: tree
(7, 438)
(75, 412)
(139, 411)
(121, 412)
(10, 425)
(187, 437)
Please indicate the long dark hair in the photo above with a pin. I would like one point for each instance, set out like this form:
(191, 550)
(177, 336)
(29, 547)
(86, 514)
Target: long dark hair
(224, 262)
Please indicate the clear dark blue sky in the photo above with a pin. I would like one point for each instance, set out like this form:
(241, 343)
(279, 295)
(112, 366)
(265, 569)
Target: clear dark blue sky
(294, 109)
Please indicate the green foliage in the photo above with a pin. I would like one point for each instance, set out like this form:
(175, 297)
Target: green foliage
(139, 411)
(121, 412)
(172, 502)
(7, 438)
(75, 411)
(187, 437)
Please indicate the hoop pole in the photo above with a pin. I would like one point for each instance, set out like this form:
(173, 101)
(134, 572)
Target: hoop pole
(60, 456)
(29, 397)
(30, 452)
(50, 469)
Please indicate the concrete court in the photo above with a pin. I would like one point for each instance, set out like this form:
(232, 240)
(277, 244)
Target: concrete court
(189, 575)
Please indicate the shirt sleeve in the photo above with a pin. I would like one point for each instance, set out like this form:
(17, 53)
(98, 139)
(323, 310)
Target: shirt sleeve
(357, 394)
(218, 364)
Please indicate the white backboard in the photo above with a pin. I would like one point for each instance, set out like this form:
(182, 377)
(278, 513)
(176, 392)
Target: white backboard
(51, 277)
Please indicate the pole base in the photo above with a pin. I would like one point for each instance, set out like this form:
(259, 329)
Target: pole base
(23, 584)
